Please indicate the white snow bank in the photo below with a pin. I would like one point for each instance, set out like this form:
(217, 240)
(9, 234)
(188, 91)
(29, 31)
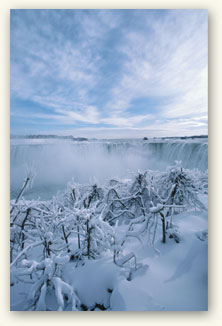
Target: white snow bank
(127, 297)
(177, 279)
(93, 281)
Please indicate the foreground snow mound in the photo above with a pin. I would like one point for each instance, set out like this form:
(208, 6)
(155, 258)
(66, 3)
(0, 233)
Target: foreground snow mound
(103, 284)
(93, 282)
(128, 297)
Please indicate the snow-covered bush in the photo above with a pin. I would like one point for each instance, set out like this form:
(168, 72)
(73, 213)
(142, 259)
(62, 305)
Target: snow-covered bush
(185, 187)
(45, 277)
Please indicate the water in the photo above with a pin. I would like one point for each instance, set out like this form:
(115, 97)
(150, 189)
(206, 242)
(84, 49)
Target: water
(58, 161)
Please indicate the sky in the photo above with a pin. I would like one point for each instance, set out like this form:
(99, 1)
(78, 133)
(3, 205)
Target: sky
(109, 73)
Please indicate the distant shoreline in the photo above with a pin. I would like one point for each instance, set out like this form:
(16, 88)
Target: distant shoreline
(86, 139)
(47, 137)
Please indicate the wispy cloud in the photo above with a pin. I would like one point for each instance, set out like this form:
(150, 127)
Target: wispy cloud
(93, 67)
(172, 61)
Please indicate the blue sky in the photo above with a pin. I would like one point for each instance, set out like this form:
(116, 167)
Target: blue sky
(109, 73)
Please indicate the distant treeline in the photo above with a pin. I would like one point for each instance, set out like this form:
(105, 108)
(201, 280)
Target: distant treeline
(193, 137)
(47, 137)
(182, 137)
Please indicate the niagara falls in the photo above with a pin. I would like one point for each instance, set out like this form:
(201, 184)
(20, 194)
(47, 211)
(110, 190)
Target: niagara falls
(56, 162)
(108, 160)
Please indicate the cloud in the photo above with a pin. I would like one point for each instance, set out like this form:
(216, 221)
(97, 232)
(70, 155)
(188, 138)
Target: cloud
(50, 66)
(90, 114)
(116, 120)
(172, 62)
(93, 66)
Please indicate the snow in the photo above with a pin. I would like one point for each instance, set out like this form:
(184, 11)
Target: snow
(71, 256)
(129, 297)
(93, 280)
(177, 278)
(156, 209)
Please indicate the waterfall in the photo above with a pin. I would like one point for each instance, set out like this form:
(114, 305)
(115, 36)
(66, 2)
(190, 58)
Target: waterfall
(193, 155)
(56, 162)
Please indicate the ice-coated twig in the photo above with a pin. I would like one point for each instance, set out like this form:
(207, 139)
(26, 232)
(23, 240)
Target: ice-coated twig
(32, 245)
(62, 288)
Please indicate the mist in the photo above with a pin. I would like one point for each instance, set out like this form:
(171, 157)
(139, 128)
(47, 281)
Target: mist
(57, 162)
